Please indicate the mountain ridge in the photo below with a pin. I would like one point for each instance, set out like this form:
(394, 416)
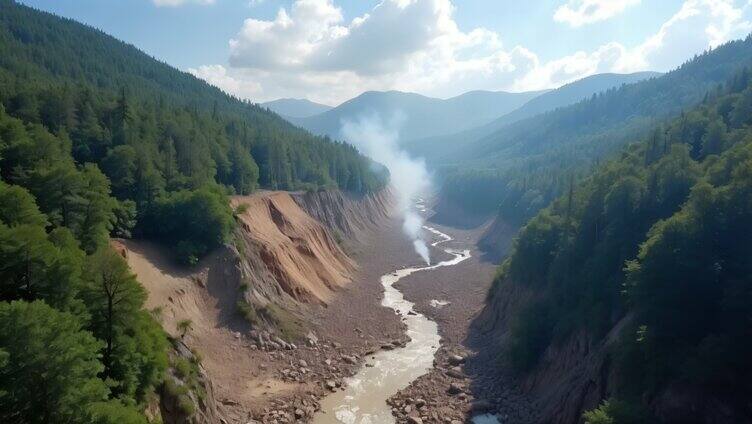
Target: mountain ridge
(573, 92)
(420, 114)
(295, 108)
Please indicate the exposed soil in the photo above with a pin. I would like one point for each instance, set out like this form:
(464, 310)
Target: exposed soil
(298, 250)
(255, 375)
(351, 326)
(259, 377)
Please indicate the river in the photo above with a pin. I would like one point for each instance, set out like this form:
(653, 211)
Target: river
(364, 399)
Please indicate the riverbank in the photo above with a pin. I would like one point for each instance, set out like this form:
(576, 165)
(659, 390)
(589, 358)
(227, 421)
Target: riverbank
(351, 328)
(390, 370)
(455, 389)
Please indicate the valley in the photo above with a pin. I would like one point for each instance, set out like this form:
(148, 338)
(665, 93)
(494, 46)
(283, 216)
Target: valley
(375, 213)
(354, 357)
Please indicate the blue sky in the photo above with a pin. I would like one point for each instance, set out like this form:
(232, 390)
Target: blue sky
(330, 50)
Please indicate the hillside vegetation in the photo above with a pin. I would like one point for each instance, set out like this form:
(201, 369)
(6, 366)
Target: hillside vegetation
(98, 139)
(77, 102)
(655, 239)
(435, 149)
(524, 166)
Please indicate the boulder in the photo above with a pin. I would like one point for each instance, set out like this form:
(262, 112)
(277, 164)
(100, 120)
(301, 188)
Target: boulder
(455, 389)
(456, 359)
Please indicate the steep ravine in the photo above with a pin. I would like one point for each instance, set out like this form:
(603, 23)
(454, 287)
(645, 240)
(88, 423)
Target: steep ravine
(254, 305)
(571, 377)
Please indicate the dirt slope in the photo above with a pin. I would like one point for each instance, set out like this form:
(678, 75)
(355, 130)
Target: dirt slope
(299, 251)
(349, 216)
(281, 260)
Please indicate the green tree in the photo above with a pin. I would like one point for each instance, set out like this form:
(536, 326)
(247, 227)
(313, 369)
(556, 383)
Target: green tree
(134, 344)
(114, 412)
(714, 139)
(33, 267)
(120, 167)
(17, 206)
(50, 375)
(113, 296)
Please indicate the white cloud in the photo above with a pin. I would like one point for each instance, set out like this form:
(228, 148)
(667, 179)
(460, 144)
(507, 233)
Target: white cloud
(415, 45)
(582, 12)
(217, 76)
(697, 26)
(176, 3)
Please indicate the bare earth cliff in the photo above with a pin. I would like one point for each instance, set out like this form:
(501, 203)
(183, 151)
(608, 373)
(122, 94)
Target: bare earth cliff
(251, 305)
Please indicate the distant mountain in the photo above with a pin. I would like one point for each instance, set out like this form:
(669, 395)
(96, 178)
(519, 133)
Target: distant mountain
(572, 93)
(569, 94)
(295, 108)
(423, 116)
(521, 167)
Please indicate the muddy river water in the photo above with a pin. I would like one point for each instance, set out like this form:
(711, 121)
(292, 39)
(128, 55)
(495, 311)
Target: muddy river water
(364, 399)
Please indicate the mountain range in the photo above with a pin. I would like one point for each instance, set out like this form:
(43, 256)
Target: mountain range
(295, 108)
(433, 147)
(432, 122)
(417, 115)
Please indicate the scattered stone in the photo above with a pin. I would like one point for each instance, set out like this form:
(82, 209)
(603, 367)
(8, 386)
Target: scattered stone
(454, 389)
(456, 373)
(456, 359)
(312, 339)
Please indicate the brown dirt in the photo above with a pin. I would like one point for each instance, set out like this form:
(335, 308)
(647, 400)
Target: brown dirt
(307, 260)
(251, 383)
(278, 385)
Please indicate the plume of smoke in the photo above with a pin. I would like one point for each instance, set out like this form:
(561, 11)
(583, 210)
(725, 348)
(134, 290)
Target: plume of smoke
(409, 177)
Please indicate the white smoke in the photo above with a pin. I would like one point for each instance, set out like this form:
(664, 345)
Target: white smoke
(409, 177)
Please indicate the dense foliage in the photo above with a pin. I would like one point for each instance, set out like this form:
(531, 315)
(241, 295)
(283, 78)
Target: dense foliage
(98, 139)
(658, 235)
(531, 162)
(75, 341)
(79, 106)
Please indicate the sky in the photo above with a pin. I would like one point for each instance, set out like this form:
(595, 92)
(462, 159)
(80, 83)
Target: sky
(332, 50)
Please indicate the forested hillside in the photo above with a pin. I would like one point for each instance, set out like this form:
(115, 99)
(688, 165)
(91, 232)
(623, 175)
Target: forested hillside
(73, 96)
(434, 149)
(524, 166)
(652, 246)
(98, 139)
(572, 93)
